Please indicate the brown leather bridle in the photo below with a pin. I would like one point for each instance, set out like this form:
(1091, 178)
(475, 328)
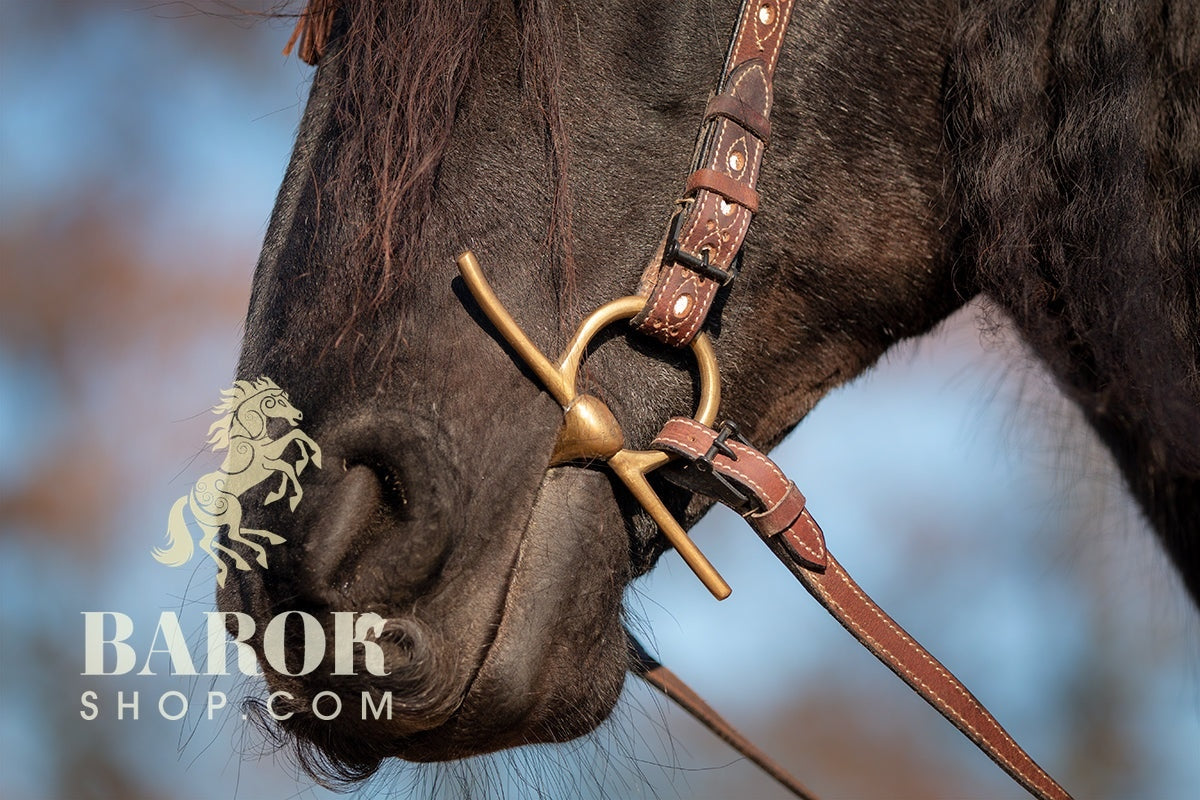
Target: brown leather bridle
(700, 254)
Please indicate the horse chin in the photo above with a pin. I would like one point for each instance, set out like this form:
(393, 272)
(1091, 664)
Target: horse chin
(550, 669)
(556, 665)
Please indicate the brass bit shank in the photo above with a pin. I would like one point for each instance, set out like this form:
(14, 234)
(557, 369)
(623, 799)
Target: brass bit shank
(590, 431)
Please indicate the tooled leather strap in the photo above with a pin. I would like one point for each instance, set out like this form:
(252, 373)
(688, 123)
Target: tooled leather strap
(776, 510)
(721, 189)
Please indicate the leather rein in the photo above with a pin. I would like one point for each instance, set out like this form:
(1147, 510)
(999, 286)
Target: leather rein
(700, 254)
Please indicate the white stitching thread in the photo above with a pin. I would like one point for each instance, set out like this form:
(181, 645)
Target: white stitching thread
(779, 16)
(989, 721)
(701, 303)
(688, 326)
(818, 554)
(741, 449)
(954, 683)
(691, 450)
(924, 654)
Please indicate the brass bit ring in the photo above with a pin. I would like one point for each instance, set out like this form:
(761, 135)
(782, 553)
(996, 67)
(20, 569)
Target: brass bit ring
(590, 431)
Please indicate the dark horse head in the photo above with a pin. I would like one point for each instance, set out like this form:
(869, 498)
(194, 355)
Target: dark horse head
(922, 152)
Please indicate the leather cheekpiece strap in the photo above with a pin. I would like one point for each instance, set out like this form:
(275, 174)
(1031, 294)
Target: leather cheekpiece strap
(721, 188)
(732, 190)
(738, 110)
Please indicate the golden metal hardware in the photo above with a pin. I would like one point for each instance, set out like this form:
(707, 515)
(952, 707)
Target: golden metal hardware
(590, 431)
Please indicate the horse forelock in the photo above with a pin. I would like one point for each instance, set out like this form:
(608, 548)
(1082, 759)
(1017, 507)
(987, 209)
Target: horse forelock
(402, 68)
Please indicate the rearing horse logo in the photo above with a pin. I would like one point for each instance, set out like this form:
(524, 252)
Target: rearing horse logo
(253, 456)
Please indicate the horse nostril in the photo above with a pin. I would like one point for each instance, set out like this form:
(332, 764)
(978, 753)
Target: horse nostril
(366, 537)
(392, 500)
(395, 495)
(337, 532)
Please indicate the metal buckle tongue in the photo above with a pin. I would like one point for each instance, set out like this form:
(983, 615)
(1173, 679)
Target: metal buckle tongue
(700, 477)
(590, 431)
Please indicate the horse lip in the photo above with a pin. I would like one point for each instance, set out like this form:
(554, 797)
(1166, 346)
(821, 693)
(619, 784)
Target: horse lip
(502, 612)
(455, 736)
(532, 619)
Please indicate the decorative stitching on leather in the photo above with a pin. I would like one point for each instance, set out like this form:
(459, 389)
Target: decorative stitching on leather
(944, 706)
(783, 12)
(679, 330)
(987, 721)
(726, 465)
(728, 239)
(733, 172)
(699, 311)
(712, 162)
(767, 512)
(732, 191)
(722, 241)
(695, 453)
(654, 315)
(729, 243)
(760, 38)
(741, 113)
(818, 554)
(737, 447)
(755, 166)
(697, 213)
(768, 463)
(731, 240)
(739, 236)
(718, 241)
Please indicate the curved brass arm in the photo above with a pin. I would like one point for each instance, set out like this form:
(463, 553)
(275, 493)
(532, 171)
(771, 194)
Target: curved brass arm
(590, 431)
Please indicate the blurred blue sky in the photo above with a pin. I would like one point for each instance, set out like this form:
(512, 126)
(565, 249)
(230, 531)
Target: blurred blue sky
(953, 482)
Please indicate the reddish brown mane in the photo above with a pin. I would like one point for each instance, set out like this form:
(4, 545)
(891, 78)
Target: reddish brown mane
(404, 66)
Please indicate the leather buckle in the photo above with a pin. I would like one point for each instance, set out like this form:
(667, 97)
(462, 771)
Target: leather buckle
(746, 502)
(674, 254)
(700, 477)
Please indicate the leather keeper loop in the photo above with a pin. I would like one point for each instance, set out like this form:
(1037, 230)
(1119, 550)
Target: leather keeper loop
(733, 108)
(727, 187)
(782, 516)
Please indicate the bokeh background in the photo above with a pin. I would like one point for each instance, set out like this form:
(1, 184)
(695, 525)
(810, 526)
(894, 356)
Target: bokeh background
(140, 149)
